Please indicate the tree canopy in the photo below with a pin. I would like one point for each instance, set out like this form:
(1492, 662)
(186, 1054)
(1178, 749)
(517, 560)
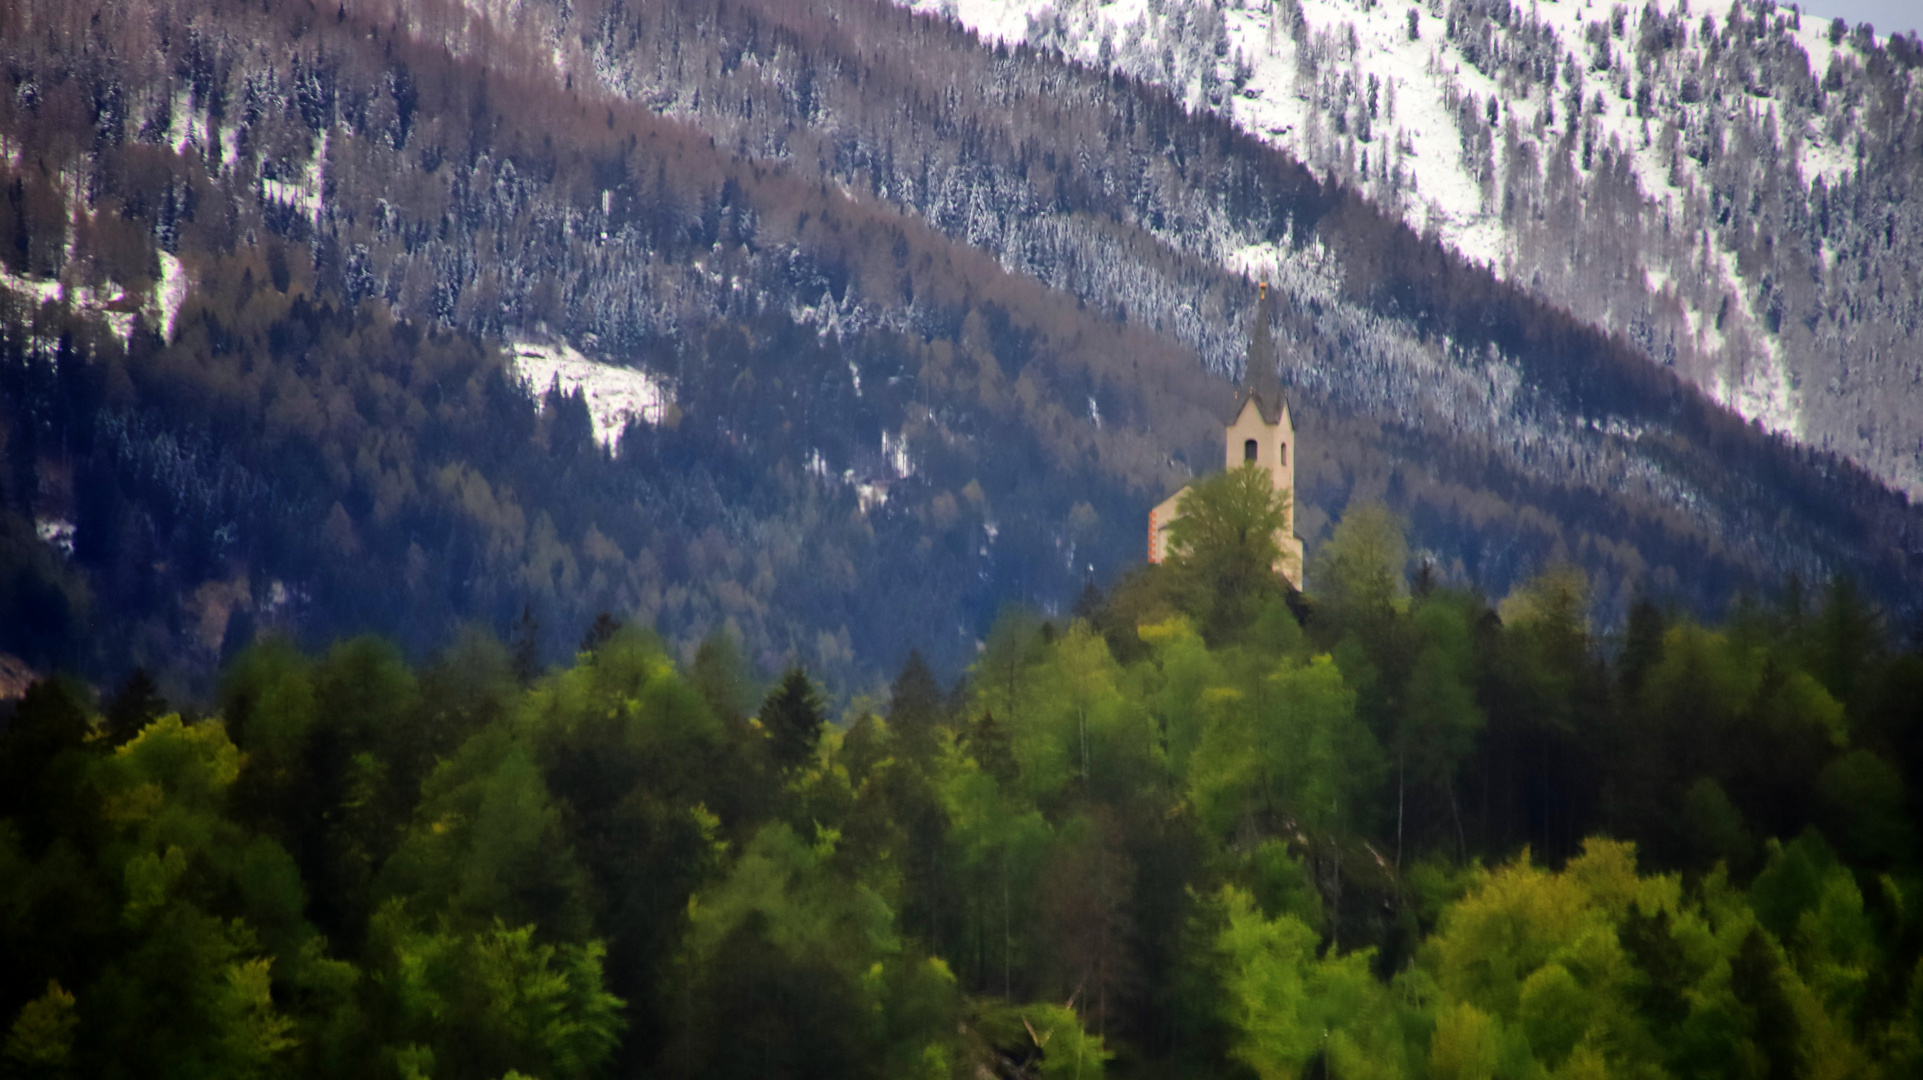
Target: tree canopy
(1384, 832)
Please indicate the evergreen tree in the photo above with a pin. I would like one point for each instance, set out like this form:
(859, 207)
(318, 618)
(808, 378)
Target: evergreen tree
(133, 706)
(915, 706)
(598, 632)
(792, 717)
(526, 646)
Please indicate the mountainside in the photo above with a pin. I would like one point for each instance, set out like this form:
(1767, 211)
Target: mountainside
(1731, 190)
(829, 328)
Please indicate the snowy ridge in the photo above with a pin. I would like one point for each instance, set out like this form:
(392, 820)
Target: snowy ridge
(1428, 118)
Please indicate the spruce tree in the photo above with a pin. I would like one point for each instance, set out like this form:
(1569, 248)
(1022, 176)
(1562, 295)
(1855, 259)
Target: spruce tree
(915, 705)
(792, 716)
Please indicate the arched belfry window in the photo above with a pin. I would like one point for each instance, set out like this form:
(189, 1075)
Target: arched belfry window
(1248, 450)
(1284, 450)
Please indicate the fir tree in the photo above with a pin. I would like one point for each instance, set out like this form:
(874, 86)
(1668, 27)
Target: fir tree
(792, 716)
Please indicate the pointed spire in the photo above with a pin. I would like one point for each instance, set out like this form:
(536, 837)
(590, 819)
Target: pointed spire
(1259, 379)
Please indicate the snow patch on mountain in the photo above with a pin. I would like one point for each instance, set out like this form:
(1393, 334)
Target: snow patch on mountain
(37, 291)
(109, 302)
(615, 395)
(169, 292)
(56, 533)
(302, 193)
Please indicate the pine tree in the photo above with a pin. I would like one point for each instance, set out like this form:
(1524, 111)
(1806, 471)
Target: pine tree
(526, 646)
(915, 707)
(604, 627)
(792, 716)
(133, 706)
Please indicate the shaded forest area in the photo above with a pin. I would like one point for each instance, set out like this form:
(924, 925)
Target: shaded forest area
(320, 438)
(1207, 826)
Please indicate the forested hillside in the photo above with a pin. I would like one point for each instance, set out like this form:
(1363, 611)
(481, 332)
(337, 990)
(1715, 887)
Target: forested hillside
(1206, 827)
(1731, 187)
(936, 324)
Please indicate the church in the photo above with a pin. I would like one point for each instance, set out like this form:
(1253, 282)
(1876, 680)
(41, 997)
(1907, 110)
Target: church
(1261, 431)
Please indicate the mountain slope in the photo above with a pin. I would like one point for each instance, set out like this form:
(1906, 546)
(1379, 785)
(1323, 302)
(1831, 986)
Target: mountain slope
(907, 328)
(1732, 191)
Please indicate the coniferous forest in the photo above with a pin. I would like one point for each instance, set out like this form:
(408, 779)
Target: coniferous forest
(937, 323)
(1207, 826)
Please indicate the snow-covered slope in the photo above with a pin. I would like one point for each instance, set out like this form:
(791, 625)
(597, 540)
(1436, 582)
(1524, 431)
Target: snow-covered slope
(1580, 148)
(615, 396)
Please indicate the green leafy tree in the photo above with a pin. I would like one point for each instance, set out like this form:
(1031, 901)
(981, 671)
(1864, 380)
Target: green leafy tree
(1223, 547)
(40, 1042)
(214, 918)
(460, 1005)
(915, 706)
(488, 843)
(722, 678)
(1359, 571)
(1290, 746)
(1289, 1006)
(998, 847)
(1004, 673)
(1078, 726)
(1440, 719)
(788, 969)
(1865, 807)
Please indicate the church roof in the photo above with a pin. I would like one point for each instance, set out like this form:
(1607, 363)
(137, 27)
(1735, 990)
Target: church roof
(1269, 401)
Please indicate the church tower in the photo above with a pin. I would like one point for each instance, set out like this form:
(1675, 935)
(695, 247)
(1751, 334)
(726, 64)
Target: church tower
(1262, 432)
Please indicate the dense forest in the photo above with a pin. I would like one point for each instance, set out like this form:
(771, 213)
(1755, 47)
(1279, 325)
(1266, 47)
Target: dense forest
(1206, 826)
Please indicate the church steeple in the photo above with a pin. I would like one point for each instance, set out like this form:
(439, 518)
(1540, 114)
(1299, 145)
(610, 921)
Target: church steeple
(1262, 436)
(1259, 378)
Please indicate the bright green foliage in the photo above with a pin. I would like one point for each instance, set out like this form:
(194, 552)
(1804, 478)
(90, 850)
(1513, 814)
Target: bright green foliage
(1441, 718)
(1287, 1005)
(487, 843)
(1283, 883)
(1554, 602)
(1358, 573)
(1539, 952)
(200, 900)
(41, 1039)
(1223, 546)
(269, 696)
(1467, 1044)
(1181, 671)
(1285, 849)
(1289, 744)
(1003, 680)
(1078, 727)
(474, 1005)
(998, 844)
(1050, 1038)
(1069, 1052)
